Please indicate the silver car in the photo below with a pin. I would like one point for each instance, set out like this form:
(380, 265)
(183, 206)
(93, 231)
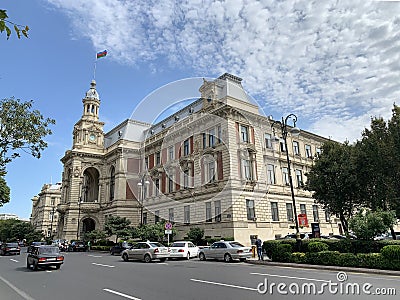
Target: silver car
(146, 251)
(226, 250)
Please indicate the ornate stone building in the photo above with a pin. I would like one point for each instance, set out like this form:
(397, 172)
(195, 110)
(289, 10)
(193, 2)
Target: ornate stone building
(214, 164)
(44, 216)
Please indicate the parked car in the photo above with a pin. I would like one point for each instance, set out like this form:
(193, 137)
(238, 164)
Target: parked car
(226, 250)
(44, 256)
(146, 251)
(10, 248)
(183, 249)
(33, 244)
(305, 235)
(77, 246)
(118, 248)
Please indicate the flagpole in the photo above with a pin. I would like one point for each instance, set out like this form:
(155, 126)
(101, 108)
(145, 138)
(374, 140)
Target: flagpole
(94, 71)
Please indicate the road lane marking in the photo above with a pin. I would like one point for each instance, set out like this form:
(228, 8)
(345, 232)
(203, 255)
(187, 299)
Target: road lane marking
(289, 277)
(101, 265)
(14, 260)
(225, 284)
(91, 255)
(17, 290)
(121, 294)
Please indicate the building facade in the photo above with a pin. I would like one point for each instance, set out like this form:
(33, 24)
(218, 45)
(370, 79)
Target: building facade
(218, 164)
(44, 216)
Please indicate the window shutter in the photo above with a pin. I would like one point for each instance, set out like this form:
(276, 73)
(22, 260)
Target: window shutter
(151, 161)
(177, 178)
(191, 144)
(164, 155)
(163, 177)
(252, 135)
(220, 167)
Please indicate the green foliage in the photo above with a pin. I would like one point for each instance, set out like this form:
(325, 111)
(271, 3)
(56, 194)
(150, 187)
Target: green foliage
(94, 235)
(391, 252)
(13, 230)
(195, 234)
(152, 232)
(298, 257)
(368, 224)
(118, 226)
(21, 129)
(4, 192)
(17, 28)
(317, 247)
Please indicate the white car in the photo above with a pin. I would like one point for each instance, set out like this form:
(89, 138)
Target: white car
(183, 249)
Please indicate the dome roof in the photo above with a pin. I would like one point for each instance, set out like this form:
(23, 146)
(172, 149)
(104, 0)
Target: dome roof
(92, 93)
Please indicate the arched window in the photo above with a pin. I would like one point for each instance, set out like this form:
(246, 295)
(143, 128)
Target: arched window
(112, 183)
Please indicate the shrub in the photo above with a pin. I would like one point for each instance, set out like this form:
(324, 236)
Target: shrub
(298, 257)
(322, 258)
(391, 252)
(283, 253)
(317, 247)
(270, 247)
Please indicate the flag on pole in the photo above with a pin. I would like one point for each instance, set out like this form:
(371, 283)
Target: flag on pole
(101, 54)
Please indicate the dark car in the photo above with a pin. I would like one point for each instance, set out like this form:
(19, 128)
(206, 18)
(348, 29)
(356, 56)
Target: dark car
(33, 244)
(10, 248)
(44, 256)
(77, 246)
(118, 248)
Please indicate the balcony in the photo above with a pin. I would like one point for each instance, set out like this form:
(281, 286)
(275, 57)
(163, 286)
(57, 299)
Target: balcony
(90, 207)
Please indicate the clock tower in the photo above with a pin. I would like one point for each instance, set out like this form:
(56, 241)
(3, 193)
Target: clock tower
(88, 131)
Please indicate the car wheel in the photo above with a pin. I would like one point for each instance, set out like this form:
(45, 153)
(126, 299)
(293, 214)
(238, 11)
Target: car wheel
(28, 266)
(202, 256)
(35, 266)
(163, 259)
(112, 252)
(147, 258)
(227, 257)
(58, 267)
(242, 259)
(125, 257)
(188, 256)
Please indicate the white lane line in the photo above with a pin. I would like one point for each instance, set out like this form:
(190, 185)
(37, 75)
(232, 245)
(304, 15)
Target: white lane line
(14, 260)
(225, 284)
(17, 290)
(289, 277)
(95, 255)
(121, 294)
(101, 265)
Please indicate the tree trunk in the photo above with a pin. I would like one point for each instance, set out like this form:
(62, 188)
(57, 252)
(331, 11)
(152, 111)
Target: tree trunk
(344, 223)
(393, 233)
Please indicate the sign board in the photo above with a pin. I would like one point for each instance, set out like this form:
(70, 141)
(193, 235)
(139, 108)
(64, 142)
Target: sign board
(303, 221)
(168, 226)
(168, 231)
(315, 230)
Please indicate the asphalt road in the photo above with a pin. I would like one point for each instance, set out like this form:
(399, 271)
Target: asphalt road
(100, 276)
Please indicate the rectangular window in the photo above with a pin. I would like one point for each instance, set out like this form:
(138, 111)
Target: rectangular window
(282, 145)
(170, 184)
(248, 174)
(308, 151)
(219, 133)
(315, 213)
(299, 177)
(244, 133)
(289, 212)
(51, 216)
(274, 211)
(186, 179)
(285, 175)
(146, 162)
(204, 140)
(268, 140)
(158, 158)
(208, 212)
(318, 150)
(156, 216)
(327, 216)
(171, 214)
(53, 201)
(211, 171)
(271, 174)
(157, 187)
(296, 148)
(251, 214)
(186, 147)
(145, 218)
(171, 153)
(211, 137)
(303, 209)
(217, 206)
(186, 214)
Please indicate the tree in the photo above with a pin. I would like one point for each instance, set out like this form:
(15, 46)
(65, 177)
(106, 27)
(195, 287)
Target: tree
(368, 224)
(94, 235)
(17, 28)
(118, 226)
(13, 230)
(152, 232)
(4, 191)
(333, 181)
(196, 234)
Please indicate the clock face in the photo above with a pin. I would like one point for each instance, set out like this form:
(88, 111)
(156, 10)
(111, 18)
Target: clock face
(92, 137)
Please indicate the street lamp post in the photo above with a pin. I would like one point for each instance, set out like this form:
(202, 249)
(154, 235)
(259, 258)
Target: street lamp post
(294, 131)
(51, 224)
(79, 216)
(142, 184)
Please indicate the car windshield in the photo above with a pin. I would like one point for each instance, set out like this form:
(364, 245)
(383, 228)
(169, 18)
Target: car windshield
(178, 245)
(49, 250)
(156, 245)
(235, 244)
(12, 244)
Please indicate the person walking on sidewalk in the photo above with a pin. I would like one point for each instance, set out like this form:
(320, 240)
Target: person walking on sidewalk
(259, 249)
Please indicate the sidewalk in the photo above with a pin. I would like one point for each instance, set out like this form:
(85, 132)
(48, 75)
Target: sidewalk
(268, 262)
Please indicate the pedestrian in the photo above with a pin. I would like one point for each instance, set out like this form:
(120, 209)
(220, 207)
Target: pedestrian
(259, 249)
(88, 245)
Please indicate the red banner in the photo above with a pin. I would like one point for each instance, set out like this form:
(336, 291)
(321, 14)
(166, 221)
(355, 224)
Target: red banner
(303, 221)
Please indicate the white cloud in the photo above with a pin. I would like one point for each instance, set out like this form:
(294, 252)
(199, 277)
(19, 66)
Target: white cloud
(331, 62)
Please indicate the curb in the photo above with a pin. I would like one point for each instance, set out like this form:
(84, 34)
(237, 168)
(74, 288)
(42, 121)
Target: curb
(319, 267)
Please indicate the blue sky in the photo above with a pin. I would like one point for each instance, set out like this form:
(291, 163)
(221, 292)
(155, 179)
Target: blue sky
(333, 63)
